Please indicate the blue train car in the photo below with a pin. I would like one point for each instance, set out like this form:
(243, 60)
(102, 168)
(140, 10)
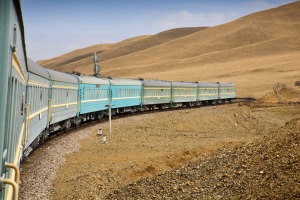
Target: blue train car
(156, 93)
(13, 77)
(184, 93)
(125, 95)
(207, 92)
(37, 105)
(63, 100)
(227, 91)
(94, 96)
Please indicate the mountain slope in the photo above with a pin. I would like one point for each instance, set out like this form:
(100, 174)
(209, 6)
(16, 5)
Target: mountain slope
(263, 26)
(85, 53)
(81, 57)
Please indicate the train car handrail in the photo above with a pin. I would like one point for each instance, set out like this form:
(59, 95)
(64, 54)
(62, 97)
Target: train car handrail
(11, 182)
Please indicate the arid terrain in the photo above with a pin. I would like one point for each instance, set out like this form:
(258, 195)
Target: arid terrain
(247, 150)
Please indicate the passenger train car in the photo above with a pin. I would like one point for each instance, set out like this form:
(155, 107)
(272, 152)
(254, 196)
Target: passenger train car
(36, 102)
(13, 78)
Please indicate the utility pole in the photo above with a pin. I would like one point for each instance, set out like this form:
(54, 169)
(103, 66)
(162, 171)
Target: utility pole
(97, 69)
(109, 110)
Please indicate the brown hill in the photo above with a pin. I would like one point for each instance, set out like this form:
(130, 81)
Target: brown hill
(81, 57)
(254, 51)
(149, 42)
(85, 53)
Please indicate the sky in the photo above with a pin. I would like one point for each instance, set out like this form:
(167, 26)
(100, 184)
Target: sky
(55, 27)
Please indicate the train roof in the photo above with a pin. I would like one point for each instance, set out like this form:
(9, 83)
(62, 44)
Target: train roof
(124, 81)
(156, 83)
(184, 84)
(92, 80)
(62, 77)
(35, 68)
(207, 84)
(17, 5)
(227, 84)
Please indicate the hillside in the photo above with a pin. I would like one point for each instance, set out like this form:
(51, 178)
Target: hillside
(82, 57)
(263, 47)
(85, 53)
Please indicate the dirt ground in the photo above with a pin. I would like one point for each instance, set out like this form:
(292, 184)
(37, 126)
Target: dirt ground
(268, 168)
(150, 144)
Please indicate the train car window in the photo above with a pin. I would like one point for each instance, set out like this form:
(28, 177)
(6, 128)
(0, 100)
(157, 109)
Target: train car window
(35, 97)
(23, 103)
(41, 95)
(15, 38)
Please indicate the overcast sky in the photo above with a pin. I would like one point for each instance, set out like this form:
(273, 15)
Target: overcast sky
(55, 27)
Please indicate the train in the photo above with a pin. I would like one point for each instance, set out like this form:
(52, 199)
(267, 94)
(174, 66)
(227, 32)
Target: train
(36, 102)
(57, 101)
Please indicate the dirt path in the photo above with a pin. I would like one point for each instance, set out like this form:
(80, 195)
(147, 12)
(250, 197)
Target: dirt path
(150, 144)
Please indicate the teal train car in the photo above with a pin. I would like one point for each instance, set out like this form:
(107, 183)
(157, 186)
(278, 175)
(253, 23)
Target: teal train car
(208, 92)
(93, 97)
(184, 93)
(227, 91)
(13, 78)
(37, 105)
(63, 100)
(156, 93)
(125, 95)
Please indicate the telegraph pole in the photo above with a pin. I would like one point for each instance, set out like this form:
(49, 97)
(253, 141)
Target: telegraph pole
(97, 68)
